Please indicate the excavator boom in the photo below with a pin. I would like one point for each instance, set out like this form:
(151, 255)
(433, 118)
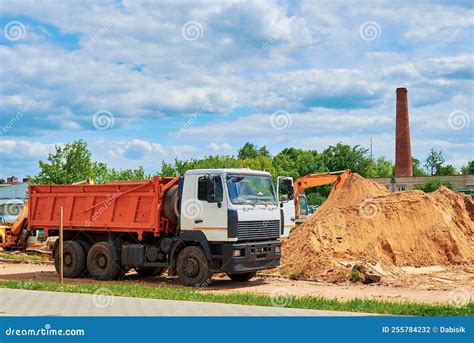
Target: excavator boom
(337, 178)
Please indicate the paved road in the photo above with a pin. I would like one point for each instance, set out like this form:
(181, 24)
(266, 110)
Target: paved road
(41, 303)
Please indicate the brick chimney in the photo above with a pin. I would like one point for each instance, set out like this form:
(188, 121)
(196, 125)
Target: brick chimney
(403, 165)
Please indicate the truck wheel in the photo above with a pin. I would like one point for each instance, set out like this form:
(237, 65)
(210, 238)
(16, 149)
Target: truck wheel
(86, 246)
(150, 271)
(101, 263)
(192, 267)
(242, 277)
(74, 259)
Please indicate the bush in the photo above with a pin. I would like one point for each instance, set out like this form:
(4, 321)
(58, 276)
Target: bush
(433, 185)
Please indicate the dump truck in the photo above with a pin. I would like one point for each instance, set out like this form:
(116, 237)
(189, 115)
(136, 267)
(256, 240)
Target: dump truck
(207, 221)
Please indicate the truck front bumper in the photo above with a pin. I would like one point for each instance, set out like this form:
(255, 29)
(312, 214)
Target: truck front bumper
(253, 256)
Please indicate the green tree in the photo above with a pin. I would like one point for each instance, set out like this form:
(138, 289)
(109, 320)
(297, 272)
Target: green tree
(263, 151)
(127, 174)
(468, 169)
(250, 150)
(68, 164)
(343, 156)
(380, 167)
(179, 167)
(417, 168)
(433, 184)
(446, 170)
(434, 161)
(260, 163)
(73, 163)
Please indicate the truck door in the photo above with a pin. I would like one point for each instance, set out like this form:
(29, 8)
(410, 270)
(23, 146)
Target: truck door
(210, 215)
(287, 203)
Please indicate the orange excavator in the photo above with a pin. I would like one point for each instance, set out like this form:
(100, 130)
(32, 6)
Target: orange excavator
(292, 194)
(337, 178)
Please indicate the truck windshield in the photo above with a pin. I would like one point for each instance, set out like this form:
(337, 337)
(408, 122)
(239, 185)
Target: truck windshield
(251, 189)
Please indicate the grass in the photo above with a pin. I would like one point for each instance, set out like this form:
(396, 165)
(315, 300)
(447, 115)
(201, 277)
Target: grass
(140, 290)
(23, 257)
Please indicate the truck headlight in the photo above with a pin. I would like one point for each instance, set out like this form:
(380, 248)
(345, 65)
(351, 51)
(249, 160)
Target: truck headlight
(236, 253)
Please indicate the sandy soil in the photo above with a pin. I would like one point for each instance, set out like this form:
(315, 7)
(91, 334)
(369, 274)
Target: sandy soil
(429, 284)
(410, 228)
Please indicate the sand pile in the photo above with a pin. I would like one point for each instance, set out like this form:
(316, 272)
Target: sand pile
(364, 222)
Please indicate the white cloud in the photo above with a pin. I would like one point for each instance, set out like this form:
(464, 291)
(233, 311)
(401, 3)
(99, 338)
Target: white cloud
(252, 58)
(20, 149)
(138, 149)
(224, 147)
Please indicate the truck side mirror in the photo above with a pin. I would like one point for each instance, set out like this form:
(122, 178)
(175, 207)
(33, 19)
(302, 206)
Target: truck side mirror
(211, 196)
(215, 191)
(291, 192)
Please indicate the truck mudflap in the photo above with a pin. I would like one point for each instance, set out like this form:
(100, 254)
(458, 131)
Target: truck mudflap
(250, 256)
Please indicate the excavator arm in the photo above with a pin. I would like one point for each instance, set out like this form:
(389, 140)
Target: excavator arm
(337, 178)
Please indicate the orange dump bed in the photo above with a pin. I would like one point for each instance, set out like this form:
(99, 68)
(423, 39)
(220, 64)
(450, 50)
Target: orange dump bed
(129, 206)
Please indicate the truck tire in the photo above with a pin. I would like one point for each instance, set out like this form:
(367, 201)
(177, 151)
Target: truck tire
(86, 246)
(192, 267)
(242, 277)
(150, 271)
(74, 259)
(170, 205)
(101, 263)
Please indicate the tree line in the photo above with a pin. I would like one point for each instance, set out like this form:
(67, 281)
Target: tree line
(73, 162)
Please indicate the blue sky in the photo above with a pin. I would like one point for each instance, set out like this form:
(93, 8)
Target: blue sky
(148, 81)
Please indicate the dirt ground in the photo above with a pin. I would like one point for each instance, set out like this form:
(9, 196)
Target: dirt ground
(427, 284)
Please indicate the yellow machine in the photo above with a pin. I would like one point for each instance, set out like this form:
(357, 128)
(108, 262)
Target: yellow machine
(15, 235)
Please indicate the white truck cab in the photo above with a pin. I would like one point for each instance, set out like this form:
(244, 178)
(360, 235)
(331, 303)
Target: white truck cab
(236, 211)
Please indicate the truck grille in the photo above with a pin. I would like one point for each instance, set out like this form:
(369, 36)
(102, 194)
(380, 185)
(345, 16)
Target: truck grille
(259, 229)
